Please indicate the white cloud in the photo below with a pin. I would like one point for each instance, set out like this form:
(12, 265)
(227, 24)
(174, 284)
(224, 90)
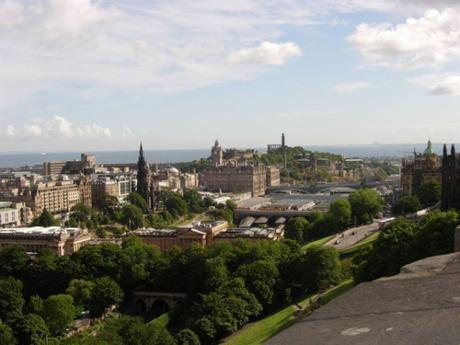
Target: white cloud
(32, 130)
(351, 87)
(151, 46)
(127, 132)
(267, 53)
(10, 131)
(440, 84)
(428, 41)
(93, 132)
(58, 128)
(61, 127)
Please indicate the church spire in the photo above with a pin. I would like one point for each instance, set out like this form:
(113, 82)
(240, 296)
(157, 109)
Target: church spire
(452, 150)
(142, 175)
(444, 151)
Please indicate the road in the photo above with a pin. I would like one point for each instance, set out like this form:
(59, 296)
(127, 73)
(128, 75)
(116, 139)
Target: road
(347, 238)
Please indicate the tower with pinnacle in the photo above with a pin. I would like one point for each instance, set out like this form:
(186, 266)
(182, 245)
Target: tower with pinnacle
(142, 175)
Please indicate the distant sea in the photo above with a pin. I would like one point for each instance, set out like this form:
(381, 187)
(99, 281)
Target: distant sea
(18, 159)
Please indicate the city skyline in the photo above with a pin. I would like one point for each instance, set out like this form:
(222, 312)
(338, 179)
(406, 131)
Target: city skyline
(101, 75)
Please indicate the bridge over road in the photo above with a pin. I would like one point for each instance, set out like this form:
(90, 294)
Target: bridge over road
(156, 303)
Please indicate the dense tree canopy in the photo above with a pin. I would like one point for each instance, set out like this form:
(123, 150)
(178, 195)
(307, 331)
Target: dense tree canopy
(406, 205)
(45, 219)
(365, 205)
(429, 194)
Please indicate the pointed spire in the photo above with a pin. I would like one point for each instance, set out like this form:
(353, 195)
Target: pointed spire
(444, 150)
(452, 150)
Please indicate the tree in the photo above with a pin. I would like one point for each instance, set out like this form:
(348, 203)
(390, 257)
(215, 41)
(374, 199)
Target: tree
(341, 214)
(45, 219)
(14, 262)
(194, 201)
(106, 292)
(7, 337)
(295, 228)
(11, 300)
(176, 205)
(187, 337)
(31, 330)
(35, 305)
(406, 205)
(81, 213)
(138, 200)
(393, 248)
(429, 193)
(436, 233)
(365, 205)
(132, 217)
(80, 290)
(260, 278)
(321, 268)
(58, 313)
(231, 205)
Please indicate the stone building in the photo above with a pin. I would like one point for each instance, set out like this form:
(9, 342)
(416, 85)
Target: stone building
(450, 180)
(235, 178)
(421, 169)
(14, 214)
(56, 197)
(166, 239)
(217, 154)
(63, 241)
(85, 165)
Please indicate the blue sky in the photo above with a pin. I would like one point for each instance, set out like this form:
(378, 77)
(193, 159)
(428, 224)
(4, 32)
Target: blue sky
(101, 75)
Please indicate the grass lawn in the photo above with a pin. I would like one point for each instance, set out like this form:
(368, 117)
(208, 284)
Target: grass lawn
(258, 332)
(320, 242)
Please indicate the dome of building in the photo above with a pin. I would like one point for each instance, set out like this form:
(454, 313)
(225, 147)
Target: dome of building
(429, 149)
(173, 171)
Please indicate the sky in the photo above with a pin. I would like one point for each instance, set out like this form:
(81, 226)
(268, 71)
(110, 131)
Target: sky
(177, 74)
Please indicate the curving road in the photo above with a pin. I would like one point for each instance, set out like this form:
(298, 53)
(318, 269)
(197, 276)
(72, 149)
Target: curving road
(351, 236)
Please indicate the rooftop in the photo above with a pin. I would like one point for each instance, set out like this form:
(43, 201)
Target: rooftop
(419, 306)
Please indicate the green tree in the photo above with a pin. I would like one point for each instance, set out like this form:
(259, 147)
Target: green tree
(223, 214)
(138, 200)
(58, 313)
(394, 248)
(321, 268)
(406, 205)
(35, 305)
(45, 219)
(295, 228)
(176, 205)
(31, 330)
(14, 262)
(436, 233)
(340, 214)
(429, 193)
(365, 205)
(194, 201)
(6, 335)
(231, 205)
(11, 300)
(260, 278)
(132, 217)
(106, 292)
(186, 337)
(80, 290)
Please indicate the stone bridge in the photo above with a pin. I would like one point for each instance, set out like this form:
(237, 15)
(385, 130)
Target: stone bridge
(156, 303)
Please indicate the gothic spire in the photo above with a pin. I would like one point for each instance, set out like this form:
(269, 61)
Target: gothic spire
(444, 151)
(452, 150)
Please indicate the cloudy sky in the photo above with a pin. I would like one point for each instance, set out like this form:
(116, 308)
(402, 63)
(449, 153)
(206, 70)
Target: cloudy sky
(101, 75)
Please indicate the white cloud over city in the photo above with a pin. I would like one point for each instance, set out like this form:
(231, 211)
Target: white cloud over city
(57, 127)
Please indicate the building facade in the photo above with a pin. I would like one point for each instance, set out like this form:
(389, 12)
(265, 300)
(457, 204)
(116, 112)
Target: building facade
(246, 178)
(450, 180)
(421, 169)
(62, 241)
(56, 197)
